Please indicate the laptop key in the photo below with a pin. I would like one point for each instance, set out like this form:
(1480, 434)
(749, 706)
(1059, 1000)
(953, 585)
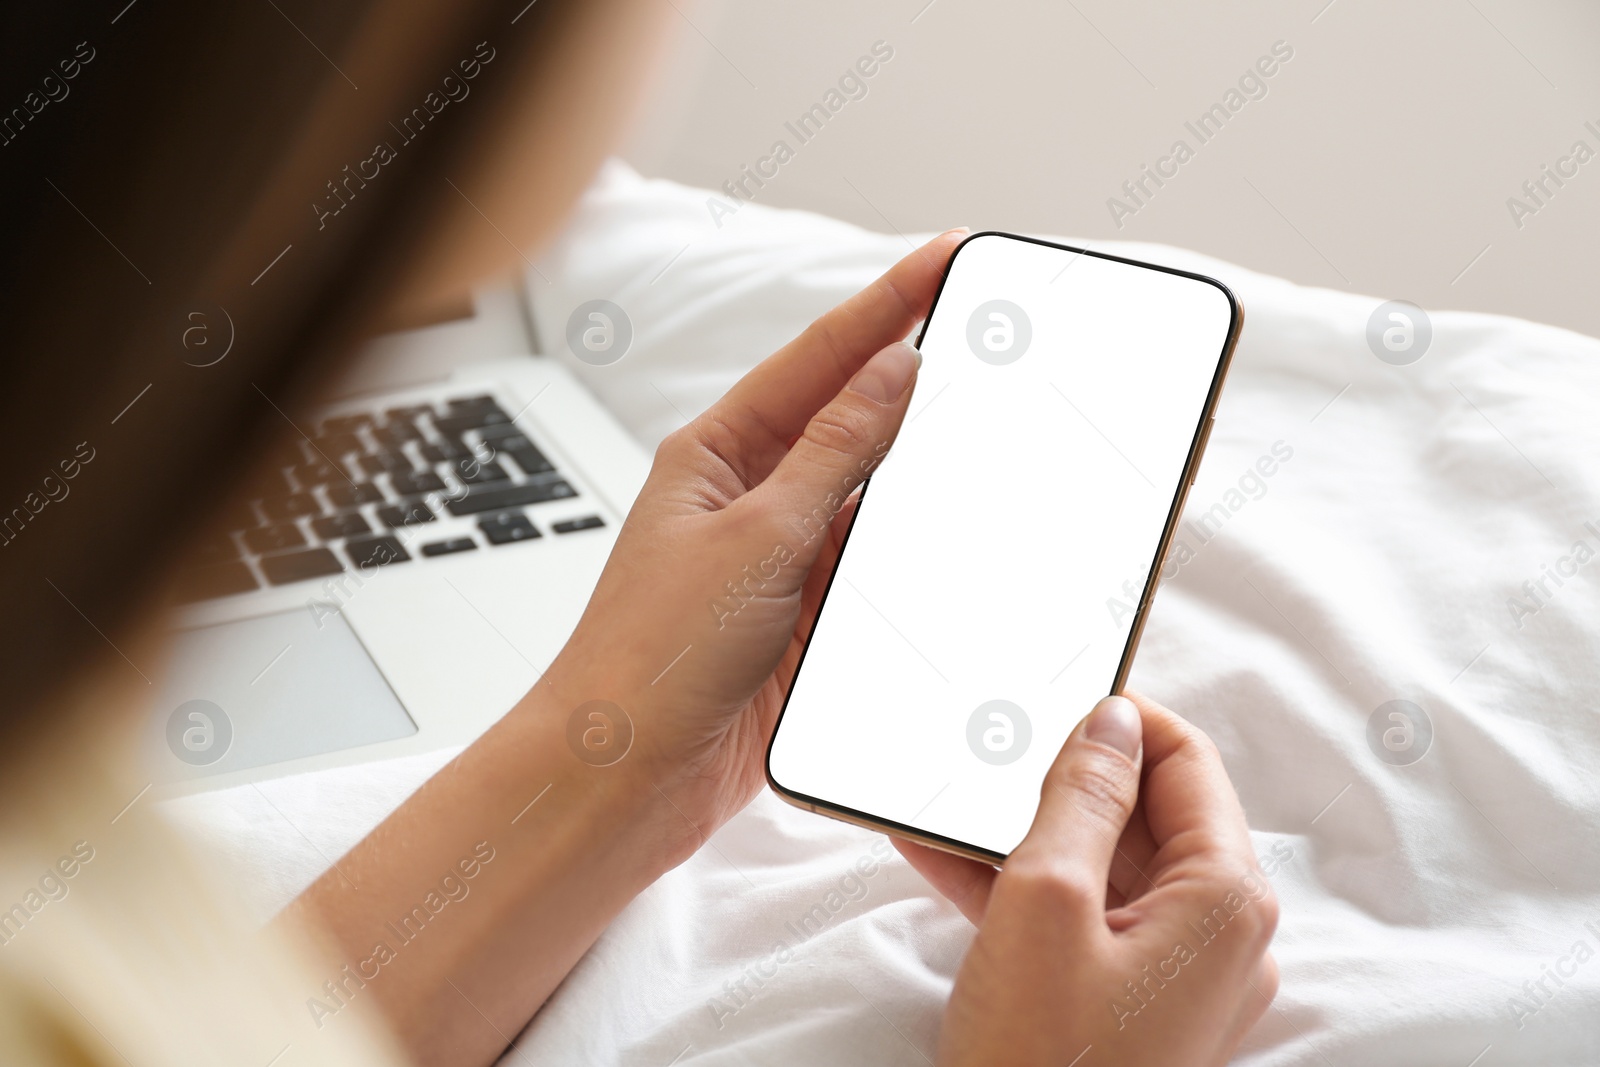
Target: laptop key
(476, 472)
(588, 522)
(222, 579)
(494, 433)
(407, 513)
(409, 412)
(318, 472)
(335, 446)
(531, 460)
(379, 462)
(506, 527)
(290, 506)
(455, 425)
(298, 566)
(474, 403)
(395, 433)
(346, 423)
(274, 538)
(411, 483)
(443, 451)
(445, 548)
(347, 495)
(372, 552)
(350, 524)
(480, 499)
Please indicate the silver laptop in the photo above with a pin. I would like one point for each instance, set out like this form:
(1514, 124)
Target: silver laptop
(416, 559)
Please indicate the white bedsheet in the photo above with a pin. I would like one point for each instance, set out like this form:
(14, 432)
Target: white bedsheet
(1377, 562)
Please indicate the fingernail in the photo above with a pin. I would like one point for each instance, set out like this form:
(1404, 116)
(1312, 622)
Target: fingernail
(1115, 722)
(888, 374)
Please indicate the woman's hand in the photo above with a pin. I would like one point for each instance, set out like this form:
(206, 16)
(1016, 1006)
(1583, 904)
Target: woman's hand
(694, 631)
(1130, 926)
(699, 619)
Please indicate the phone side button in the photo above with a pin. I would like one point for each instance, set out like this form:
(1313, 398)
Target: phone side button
(1205, 439)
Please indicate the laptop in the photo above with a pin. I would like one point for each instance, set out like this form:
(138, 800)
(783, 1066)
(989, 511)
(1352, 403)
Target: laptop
(418, 554)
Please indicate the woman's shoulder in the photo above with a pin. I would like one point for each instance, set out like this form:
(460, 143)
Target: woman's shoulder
(119, 946)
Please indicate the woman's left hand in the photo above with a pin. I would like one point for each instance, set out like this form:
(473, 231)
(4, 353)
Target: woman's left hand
(694, 630)
(699, 620)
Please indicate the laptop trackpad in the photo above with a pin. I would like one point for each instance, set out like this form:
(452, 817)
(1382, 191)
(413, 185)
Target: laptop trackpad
(258, 691)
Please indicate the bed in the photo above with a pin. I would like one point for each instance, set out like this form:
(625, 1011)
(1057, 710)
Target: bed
(1424, 545)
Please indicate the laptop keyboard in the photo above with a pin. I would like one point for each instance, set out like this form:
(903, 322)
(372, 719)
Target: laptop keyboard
(362, 491)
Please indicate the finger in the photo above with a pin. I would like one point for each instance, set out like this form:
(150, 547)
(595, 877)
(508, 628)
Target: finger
(1087, 798)
(1255, 1001)
(841, 526)
(1188, 799)
(842, 444)
(816, 584)
(822, 570)
(752, 426)
(963, 882)
(1263, 988)
(1130, 866)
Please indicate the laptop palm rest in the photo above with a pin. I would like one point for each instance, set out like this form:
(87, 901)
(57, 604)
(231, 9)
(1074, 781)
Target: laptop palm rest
(263, 690)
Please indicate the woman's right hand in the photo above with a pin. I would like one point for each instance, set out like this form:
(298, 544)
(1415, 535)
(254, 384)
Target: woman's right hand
(1130, 926)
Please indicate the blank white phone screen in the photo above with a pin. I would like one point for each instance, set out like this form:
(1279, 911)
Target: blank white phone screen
(985, 596)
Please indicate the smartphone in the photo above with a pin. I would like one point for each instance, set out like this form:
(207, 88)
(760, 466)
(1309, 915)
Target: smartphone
(1002, 558)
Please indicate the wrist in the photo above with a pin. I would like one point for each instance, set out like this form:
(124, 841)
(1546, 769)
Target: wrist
(590, 740)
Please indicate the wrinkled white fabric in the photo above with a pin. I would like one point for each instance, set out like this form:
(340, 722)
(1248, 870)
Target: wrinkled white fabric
(1431, 913)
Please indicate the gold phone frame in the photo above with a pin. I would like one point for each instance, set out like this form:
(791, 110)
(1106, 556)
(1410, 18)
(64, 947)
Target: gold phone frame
(1197, 447)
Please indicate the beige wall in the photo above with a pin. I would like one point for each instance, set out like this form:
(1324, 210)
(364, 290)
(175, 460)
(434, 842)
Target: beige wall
(1380, 159)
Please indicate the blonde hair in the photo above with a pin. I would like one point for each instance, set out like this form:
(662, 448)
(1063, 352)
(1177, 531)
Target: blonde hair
(119, 945)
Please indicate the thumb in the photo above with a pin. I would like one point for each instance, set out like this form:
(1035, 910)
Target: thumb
(1087, 798)
(841, 446)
